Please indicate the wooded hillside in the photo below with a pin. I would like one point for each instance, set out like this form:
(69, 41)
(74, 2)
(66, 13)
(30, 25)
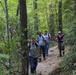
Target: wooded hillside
(22, 19)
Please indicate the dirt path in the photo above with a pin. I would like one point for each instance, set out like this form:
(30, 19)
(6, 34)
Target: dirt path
(51, 62)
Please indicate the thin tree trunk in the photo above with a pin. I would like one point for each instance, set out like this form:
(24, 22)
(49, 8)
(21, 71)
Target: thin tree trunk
(7, 31)
(51, 22)
(52, 26)
(6, 15)
(35, 16)
(56, 17)
(60, 15)
(18, 8)
(23, 25)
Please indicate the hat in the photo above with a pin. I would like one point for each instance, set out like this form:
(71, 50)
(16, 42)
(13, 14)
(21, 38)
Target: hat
(59, 31)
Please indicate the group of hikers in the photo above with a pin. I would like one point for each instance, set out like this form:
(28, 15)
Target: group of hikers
(39, 47)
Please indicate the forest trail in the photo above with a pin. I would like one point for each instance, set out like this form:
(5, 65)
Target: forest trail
(52, 61)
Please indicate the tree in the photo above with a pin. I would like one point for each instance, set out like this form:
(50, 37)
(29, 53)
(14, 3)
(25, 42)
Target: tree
(23, 25)
(7, 31)
(60, 15)
(18, 9)
(35, 16)
(6, 15)
(51, 22)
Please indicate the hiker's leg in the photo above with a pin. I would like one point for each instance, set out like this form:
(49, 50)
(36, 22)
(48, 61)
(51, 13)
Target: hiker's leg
(35, 63)
(60, 50)
(31, 64)
(40, 56)
(46, 52)
(59, 46)
(63, 48)
(43, 49)
(47, 47)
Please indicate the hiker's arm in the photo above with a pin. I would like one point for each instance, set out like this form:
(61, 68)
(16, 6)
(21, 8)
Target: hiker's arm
(38, 51)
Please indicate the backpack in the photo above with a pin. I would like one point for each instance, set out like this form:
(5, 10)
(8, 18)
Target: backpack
(42, 37)
(36, 44)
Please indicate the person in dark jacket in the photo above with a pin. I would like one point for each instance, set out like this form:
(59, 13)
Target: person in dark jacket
(60, 41)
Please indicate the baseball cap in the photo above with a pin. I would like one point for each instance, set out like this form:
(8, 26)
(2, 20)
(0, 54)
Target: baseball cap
(59, 31)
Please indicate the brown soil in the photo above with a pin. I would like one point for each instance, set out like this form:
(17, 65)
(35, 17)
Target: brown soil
(52, 62)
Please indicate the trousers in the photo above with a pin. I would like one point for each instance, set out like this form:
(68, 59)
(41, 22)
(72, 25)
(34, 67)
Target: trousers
(33, 63)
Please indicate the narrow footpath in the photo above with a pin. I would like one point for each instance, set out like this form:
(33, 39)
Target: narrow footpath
(52, 62)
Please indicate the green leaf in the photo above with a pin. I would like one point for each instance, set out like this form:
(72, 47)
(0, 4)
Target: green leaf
(5, 56)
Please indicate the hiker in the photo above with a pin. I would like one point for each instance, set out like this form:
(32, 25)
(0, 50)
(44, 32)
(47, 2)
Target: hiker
(33, 55)
(41, 42)
(47, 38)
(60, 41)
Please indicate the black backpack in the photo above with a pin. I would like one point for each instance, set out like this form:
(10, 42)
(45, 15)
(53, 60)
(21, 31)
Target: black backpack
(36, 44)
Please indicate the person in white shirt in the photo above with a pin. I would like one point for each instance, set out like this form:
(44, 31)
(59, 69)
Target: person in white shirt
(41, 42)
(47, 38)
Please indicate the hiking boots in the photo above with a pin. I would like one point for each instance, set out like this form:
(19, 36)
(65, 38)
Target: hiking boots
(63, 52)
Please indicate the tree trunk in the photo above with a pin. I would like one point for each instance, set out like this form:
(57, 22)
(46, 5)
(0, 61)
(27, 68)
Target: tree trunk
(51, 22)
(6, 15)
(7, 31)
(60, 15)
(52, 26)
(23, 25)
(18, 8)
(35, 16)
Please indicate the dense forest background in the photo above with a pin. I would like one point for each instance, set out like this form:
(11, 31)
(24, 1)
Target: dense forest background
(51, 15)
